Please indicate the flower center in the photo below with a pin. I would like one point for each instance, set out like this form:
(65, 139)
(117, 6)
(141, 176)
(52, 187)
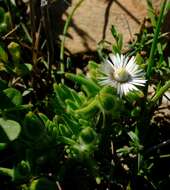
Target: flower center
(121, 75)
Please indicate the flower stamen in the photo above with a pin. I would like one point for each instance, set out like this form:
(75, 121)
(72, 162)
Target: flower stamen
(121, 75)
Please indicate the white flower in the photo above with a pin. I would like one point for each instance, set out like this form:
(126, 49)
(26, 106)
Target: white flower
(43, 3)
(122, 73)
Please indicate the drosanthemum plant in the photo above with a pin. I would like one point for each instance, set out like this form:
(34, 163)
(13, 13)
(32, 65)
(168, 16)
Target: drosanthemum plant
(122, 73)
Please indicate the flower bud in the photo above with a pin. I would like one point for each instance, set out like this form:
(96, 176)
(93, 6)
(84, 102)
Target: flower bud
(14, 50)
(42, 184)
(87, 135)
(136, 112)
(107, 101)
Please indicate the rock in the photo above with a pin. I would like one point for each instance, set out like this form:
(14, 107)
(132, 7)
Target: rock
(92, 22)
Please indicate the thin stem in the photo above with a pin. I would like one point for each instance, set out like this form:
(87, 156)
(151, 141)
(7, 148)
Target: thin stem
(160, 92)
(49, 35)
(28, 36)
(33, 19)
(68, 21)
(58, 185)
(91, 107)
(155, 39)
(158, 146)
(10, 32)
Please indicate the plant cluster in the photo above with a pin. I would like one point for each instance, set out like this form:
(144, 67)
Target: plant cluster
(63, 127)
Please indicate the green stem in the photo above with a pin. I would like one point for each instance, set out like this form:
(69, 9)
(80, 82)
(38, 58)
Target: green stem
(155, 39)
(28, 36)
(7, 172)
(160, 92)
(90, 108)
(68, 21)
(16, 108)
(92, 86)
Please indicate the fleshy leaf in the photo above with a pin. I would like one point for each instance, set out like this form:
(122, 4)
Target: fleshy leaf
(11, 128)
(14, 96)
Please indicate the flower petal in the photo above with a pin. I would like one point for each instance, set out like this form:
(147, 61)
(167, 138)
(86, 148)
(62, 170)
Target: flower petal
(112, 70)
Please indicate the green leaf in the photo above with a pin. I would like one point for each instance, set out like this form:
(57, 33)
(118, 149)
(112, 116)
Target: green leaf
(120, 42)
(159, 47)
(3, 28)
(115, 49)
(8, 20)
(114, 33)
(14, 49)
(14, 95)
(66, 140)
(2, 146)
(3, 55)
(21, 69)
(43, 117)
(6, 103)
(42, 184)
(11, 128)
(2, 67)
(27, 91)
(139, 59)
(133, 137)
(2, 13)
(3, 85)
(87, 135)
(7, 172)
(151, 13)
(29, 66)
(134, 95)
(33, 126)
(90, 87)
